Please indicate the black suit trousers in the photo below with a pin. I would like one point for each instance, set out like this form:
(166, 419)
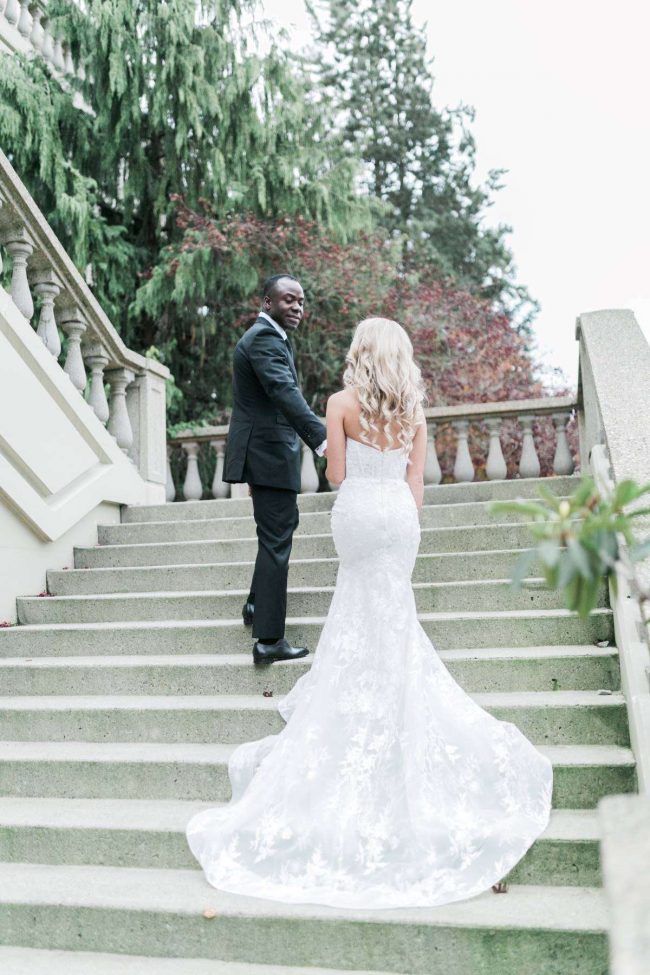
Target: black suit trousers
(276, 517)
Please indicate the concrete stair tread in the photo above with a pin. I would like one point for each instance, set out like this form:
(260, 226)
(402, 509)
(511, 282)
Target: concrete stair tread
(430, 502)
(36, 961)
(168, 814)
(212, 753)
(532, 582)
(169, 624)
(247, 702)
(170, 525)
(185, 892)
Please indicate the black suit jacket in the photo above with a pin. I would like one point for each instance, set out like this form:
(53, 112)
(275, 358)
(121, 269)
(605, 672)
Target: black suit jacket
(269, 414)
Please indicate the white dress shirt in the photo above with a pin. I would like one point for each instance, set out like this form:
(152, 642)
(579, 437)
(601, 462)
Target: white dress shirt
(323, 447)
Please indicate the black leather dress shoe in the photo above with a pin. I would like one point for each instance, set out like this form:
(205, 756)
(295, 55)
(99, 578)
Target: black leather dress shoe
(247, 613)
(266, 653)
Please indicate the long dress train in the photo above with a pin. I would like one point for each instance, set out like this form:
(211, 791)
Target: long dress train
(388, 785)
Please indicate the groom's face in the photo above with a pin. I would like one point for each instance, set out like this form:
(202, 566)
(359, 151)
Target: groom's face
(286, 304)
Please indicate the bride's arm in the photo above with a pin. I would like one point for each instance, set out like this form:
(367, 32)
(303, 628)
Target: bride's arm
(335, 472)
(415, 469)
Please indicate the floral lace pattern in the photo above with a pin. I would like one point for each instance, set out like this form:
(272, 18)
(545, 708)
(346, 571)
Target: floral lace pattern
(388, 786)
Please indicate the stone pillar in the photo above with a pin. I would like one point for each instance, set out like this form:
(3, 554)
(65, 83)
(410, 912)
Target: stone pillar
(36, 36)
(25, 20)
(463, 466)
(495, 466)
(12, 12)
(170, 487)
(96, 359)
(219, 487)
(73, 323)
(192, 487)
(119, 424)
(21, 248)
(432, 472)
(48, 287)
(146, 403)
(529, 462)
(562, 461)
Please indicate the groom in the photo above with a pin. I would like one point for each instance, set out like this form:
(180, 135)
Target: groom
(269, 417)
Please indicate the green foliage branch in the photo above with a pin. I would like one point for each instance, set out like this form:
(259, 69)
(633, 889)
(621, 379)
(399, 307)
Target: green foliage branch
(582, 541)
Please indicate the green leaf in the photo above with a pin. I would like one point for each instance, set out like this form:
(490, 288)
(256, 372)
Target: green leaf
(580, 558)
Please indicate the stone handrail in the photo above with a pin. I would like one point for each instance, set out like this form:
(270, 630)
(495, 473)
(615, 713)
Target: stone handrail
(24, 28)
(614, 426)
(95, 355)
(560, 409)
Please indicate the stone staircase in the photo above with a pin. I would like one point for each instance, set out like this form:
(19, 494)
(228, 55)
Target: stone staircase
(124, 692)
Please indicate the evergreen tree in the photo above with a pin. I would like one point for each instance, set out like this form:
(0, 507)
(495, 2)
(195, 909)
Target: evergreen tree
(175, 102)
(374, 70)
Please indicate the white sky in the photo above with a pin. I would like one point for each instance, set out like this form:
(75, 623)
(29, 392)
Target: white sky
(561, 92)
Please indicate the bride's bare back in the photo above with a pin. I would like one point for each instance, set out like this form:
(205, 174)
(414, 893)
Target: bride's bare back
(344, 421)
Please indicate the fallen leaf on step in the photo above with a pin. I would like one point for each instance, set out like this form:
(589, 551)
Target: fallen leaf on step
(267, 693)
(209, 912)
(602, 643)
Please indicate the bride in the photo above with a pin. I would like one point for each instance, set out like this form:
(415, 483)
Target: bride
(388, 786)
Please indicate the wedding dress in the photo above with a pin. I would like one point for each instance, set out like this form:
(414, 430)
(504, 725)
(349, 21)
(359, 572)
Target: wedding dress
(388, 786)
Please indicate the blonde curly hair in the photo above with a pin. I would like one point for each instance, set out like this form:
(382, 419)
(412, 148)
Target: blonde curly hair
(381, 368)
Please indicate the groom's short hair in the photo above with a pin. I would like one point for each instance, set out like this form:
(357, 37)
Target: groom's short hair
(270, 283)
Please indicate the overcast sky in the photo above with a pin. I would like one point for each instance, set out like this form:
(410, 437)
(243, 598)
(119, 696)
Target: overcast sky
(561, 94)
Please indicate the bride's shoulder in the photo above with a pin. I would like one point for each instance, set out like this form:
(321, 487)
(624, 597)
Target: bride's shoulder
(342, 401)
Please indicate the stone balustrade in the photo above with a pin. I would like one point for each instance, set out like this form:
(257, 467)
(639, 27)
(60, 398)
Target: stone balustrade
(196, 455)
(25, 28)
(48, 290)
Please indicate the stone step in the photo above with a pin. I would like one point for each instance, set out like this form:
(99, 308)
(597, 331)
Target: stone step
(170, 552)
(589, 668)
(151, 833)
(101, 770)
(311, 523)
(448, 631)
(36, 961)
(430, 597)
(492, 533)
(477, 491)
(161, 913)
(199, 577)
(92, 714)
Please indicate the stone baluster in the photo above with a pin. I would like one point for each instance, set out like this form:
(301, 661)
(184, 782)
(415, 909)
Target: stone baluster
(529, 462)
(463, 467)
(119, 422)
(36, 36)
(73, 323)
(495, 466)
(432, 472)
(47, 49)
(219, 487)
(309, 482)
(47, 286)
(25, 19)
(562, 461)
(96, 360)
(2, 5)
(170, 487)
(57, 56)
(12, 12)
(21, 248)
(192, 487)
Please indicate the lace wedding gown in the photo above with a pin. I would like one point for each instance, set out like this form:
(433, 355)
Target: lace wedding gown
(388, 786)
